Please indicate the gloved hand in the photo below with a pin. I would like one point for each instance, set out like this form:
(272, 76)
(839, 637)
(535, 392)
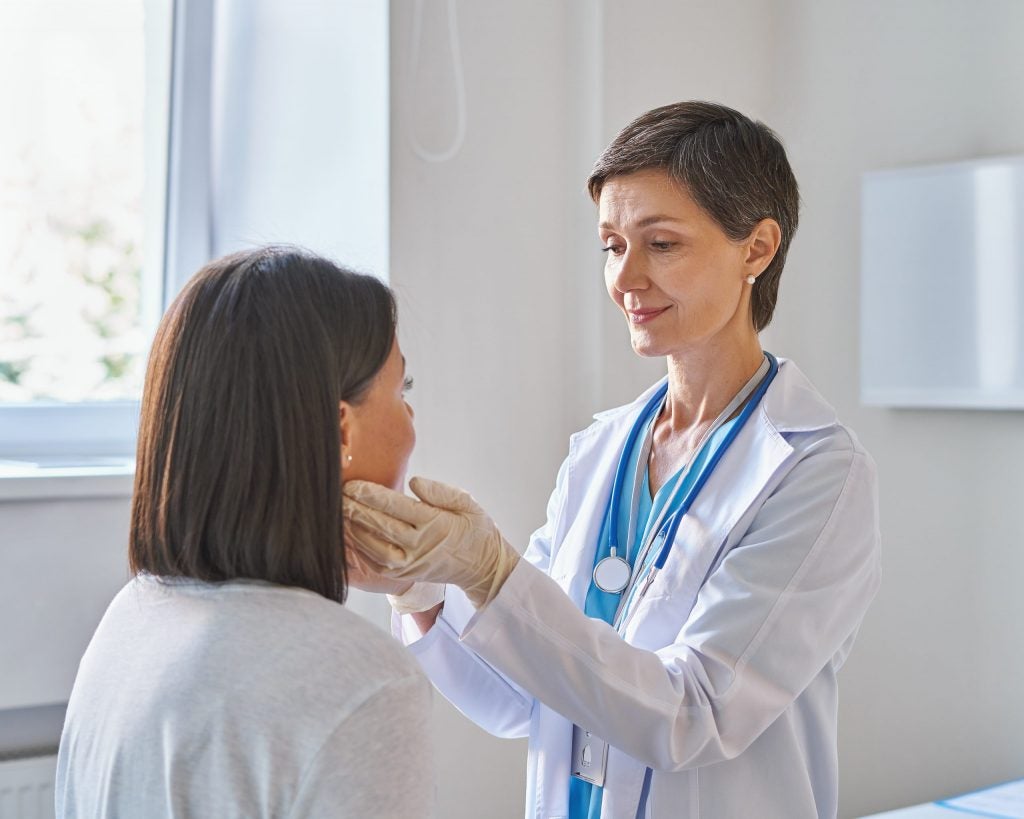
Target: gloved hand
(404, 596)
(363, 573)
(419, 597)
(445, 537)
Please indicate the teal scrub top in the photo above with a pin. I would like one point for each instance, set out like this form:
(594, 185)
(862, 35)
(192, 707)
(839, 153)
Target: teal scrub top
(585, 798)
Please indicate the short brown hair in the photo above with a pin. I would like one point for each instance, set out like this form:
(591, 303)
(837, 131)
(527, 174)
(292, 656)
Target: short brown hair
(238, 471)
(735, 169)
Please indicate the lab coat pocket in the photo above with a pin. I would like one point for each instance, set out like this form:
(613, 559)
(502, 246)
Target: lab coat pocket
(651, 624)
(661, 614)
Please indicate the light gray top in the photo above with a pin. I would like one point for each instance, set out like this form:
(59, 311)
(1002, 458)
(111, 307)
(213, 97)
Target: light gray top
(243, 699)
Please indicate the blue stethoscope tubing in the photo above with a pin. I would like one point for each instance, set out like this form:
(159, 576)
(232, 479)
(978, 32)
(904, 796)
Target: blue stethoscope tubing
(671, 524)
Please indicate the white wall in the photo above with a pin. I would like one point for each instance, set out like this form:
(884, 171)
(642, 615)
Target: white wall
(61, 562)
(931, 699)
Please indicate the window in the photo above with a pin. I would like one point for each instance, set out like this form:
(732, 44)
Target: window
(83, 174)
(151, 136)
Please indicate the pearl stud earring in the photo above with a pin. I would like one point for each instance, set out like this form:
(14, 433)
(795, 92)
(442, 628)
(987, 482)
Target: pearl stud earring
(751, 279)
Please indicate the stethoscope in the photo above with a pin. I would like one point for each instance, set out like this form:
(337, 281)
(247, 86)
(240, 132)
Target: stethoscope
(613, 574)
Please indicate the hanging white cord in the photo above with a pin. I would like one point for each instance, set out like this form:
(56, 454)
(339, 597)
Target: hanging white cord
(460, 85)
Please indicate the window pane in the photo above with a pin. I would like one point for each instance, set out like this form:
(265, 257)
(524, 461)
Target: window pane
(72, 183)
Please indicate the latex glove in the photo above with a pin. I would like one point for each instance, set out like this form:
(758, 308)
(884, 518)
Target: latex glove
(445, 537)
(363, 573)
(404, 596)
(420, 597)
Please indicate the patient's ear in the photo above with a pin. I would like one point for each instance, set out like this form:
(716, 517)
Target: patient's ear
(346, 425)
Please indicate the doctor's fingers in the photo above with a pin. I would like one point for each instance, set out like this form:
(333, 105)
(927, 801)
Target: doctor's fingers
(391, 503)
(391, 529)
(364, 573)
(373, 551)
(444, 496)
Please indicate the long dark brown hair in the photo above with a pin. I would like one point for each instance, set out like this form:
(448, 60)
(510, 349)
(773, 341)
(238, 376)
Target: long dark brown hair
(238, 470)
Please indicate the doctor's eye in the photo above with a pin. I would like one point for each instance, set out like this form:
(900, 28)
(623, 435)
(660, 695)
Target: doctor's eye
(663, 245)
(615, 250)
(407, 385)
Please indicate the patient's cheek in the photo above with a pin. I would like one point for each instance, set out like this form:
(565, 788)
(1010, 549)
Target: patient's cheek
(404, 443)
(385, 443)
(388, 464)
(402, 468)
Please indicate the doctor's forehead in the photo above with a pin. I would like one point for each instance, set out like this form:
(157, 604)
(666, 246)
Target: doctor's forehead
(641, 221)
(642, 199)
(645, 199)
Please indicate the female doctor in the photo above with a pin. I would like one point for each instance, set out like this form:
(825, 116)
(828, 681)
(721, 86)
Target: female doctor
(671, 640)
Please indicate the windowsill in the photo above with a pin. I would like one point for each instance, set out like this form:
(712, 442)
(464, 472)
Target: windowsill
(27, 480)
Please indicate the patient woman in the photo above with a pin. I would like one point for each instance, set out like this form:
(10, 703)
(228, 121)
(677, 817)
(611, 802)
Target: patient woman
(227, 679)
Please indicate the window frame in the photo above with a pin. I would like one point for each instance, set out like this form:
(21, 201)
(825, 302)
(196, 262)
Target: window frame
(178, 242)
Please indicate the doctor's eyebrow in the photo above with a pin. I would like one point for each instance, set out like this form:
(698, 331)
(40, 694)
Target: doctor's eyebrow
(647, 221)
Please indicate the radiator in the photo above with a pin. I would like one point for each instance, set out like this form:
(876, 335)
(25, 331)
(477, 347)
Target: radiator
(26, 788)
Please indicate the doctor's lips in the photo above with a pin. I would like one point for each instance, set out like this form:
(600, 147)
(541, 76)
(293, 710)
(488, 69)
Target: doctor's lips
(642, 315)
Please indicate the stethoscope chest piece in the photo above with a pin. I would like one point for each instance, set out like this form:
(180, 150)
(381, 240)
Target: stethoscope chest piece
(612, 574)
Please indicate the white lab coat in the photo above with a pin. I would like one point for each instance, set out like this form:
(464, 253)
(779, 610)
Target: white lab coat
(719, 698)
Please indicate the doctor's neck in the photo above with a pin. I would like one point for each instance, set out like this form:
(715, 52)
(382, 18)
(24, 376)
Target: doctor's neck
(702, 381)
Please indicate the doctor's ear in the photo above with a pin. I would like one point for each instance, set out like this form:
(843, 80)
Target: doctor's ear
(762, 245)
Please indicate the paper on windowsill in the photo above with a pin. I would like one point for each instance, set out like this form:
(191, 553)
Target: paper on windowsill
(1001, 801)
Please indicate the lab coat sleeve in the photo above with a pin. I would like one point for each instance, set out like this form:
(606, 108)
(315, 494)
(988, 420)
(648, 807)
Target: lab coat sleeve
(470, 683)
(779, 607)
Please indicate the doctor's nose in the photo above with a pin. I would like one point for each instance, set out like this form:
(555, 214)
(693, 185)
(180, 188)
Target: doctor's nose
(628, 273)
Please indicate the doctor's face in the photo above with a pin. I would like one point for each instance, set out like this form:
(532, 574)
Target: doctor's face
(377, 432)
(678, 279)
